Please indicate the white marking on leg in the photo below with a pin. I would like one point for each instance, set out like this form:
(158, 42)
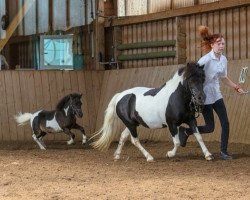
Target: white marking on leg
(41, 141)
(123, 139)
(84, 139)
(71, 141)
(38, 142)
(176, 142)
(137, 143)
(198, 137)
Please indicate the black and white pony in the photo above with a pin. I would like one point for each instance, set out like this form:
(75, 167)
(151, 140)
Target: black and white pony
(62, 119)
(172, 104)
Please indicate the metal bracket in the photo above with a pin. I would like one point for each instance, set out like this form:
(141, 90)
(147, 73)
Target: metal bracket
(243, 74)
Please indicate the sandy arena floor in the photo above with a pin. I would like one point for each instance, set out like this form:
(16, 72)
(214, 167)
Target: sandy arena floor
(78, 172)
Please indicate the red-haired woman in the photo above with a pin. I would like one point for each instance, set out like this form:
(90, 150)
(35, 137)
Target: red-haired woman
(215, 70)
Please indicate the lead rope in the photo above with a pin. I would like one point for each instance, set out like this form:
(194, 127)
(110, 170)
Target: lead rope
(197, 109)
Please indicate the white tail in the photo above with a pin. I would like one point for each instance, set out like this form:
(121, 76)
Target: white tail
(109, 128)
(23, 119)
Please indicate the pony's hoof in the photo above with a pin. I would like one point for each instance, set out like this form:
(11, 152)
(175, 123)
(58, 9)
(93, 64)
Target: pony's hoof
(170, 154)
(150, 159)
(209, 157)
(117, 157)
(70, 143)
(84, 141)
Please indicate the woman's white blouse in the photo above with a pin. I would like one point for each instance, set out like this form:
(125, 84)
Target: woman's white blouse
(214, 70)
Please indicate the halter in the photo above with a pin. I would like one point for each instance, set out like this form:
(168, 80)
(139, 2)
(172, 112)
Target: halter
(193, 106)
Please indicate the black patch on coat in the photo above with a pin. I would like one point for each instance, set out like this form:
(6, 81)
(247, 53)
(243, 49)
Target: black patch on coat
(178, 112)
(125, 110)
(154, 91)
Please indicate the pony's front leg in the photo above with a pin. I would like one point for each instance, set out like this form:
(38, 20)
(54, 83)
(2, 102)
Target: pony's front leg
(123, 139)
(71, 135)
(84, 138)
(208, 155)
(173, 129)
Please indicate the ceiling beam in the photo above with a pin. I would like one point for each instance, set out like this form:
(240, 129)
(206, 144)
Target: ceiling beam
(201, 8)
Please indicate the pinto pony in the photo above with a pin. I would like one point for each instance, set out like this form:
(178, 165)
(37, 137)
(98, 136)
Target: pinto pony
(62, 119)
(174, 103)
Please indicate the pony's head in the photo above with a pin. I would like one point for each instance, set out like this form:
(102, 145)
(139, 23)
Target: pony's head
(194, 76)
(73, 103)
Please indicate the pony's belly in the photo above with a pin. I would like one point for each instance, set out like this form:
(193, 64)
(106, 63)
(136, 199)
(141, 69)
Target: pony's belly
(156, 123)
(50, 130)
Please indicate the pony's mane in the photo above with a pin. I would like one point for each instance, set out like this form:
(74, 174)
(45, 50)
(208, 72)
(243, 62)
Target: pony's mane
(65, 99)
(193, 69)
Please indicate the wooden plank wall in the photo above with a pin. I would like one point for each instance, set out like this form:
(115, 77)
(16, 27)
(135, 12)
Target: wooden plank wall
(30, 91)
(145, 32)
(232, 23)
(238, 106)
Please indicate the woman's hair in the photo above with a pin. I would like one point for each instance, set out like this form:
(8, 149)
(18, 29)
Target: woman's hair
(208, 38)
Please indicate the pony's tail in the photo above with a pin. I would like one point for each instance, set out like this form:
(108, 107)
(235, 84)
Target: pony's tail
(23, 119)
(109, 128)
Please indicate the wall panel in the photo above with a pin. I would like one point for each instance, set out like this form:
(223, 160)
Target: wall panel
(30, 91)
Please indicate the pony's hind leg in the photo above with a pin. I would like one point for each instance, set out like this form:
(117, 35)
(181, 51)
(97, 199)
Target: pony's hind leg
(40, 138)
(135, 141)
(38, 141)
(123, 139)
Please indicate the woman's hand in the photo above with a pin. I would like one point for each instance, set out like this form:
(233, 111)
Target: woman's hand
(240, 90)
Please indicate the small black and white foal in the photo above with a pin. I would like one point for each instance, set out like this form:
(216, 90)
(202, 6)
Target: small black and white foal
(62, 119)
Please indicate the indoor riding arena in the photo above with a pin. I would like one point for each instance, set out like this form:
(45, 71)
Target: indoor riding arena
(51, 49)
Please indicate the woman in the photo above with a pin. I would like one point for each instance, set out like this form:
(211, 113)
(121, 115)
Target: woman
(215, 70)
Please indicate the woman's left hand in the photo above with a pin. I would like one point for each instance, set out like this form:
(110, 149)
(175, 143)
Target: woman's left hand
(240, 90)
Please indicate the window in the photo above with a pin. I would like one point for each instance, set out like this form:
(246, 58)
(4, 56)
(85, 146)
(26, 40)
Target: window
(56, 52)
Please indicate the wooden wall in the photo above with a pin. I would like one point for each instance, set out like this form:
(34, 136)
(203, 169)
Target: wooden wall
(30, 91)
(232, 22)
(238, 106)
(140, 7)
(146, 32)
(43, 16)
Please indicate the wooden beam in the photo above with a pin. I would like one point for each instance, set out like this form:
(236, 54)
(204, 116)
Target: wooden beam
(51, 3)
(151, 55)
(151, 44)
(15, 22)
(99, 35)
(202, 8)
